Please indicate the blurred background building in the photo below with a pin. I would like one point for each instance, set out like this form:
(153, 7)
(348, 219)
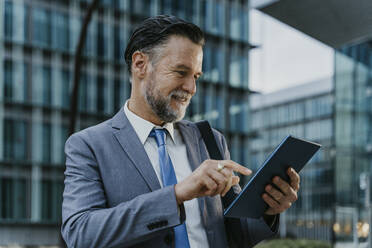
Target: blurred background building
(347, 27)
(305, 111)
(334, 199)
(353, 141)
(37, 45)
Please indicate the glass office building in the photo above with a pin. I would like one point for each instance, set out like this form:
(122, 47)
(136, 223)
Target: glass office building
(304, 111)
(353, 142)
(38, 40)
(335, 197)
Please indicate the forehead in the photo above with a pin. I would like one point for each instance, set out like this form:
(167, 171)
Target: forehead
(181, 50)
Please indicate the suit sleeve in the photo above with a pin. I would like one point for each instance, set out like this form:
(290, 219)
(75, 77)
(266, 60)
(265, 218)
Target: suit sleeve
(245, 232)
(87, 221)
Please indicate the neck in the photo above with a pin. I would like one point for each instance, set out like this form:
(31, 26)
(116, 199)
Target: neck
(144, 111)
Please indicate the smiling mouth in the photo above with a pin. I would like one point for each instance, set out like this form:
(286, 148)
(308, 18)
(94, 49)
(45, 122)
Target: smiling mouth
(180, 99)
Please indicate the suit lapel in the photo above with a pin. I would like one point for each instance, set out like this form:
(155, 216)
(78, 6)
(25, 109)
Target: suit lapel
(192, 138)
(129, 141)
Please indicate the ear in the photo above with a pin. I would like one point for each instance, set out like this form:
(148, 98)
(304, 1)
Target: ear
(139, 64)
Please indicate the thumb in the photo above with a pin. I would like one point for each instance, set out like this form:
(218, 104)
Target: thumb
(235, 180)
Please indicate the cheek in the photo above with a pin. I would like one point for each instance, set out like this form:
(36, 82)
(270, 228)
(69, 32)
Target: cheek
(168, 84)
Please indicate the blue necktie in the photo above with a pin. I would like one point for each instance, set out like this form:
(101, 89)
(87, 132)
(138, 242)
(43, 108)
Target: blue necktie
(169, 178)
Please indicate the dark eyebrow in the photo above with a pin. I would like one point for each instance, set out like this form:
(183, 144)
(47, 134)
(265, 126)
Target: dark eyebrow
(185, 67)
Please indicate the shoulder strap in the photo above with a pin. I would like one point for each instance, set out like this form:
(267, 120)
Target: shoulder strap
(210, 141)
(232, 225)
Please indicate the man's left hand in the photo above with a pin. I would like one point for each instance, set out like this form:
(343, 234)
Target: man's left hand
(280, 200)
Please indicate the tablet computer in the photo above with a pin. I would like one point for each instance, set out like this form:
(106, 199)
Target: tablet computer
(291, 152)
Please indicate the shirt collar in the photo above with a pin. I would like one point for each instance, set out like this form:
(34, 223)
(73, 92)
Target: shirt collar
(143, 127)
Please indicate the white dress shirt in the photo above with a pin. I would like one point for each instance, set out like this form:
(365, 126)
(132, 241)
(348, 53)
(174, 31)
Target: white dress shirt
(177, 151)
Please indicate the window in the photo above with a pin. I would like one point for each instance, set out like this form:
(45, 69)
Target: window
(26, 24)
(214, 63)
(257, 121)
(319, 130)
(235, 21)
(238, 67)
(51, 200)
(209, 112)
(320, 106)
(83, 92)
(219, 110)
(8, 79)
(101, 40)
(235, 149)
(166, 6)
(219, 17)
(47, 143)
(207, 54)
(234, 79)
(213, 16)
(46, 85)
(15, 81)
(178, 8)
(244, 24)
(60, 31)
(117, 94)
(119, 42)
(8, 20)
(119, 4)
(15, 140)
(41, 27)
(26, 81)
(106, 3)
(193, 110)
(14, 199)
(239, 114)
(189, 10)
(100, 94)
(66, 82)
(63, 135)
(141, 7)
(295, 112)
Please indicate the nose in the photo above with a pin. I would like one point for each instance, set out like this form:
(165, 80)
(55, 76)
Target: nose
(189, 85)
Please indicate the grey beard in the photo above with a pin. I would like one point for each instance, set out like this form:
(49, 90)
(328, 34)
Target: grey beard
(161, 106)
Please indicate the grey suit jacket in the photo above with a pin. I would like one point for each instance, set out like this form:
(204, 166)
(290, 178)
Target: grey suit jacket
(112, 197)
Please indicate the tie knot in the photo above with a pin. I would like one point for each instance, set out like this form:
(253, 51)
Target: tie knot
(159, 135)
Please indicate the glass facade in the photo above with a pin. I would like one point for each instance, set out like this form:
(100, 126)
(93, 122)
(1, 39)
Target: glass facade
(39, 40)
(353, 140)
(309, 116)
(335, 197)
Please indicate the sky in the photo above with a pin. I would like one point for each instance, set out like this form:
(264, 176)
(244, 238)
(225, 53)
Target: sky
(285, 57)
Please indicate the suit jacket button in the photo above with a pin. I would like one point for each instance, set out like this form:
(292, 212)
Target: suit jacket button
(168, 239)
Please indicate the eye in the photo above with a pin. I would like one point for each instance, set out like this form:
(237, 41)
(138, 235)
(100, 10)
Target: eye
(182, 73)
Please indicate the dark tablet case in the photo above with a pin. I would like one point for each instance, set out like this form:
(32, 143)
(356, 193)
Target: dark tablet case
(292, 152)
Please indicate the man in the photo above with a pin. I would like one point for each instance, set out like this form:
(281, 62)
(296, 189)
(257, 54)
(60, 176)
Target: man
(144, 177)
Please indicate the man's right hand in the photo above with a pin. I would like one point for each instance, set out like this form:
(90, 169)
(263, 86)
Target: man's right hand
(209, 180)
